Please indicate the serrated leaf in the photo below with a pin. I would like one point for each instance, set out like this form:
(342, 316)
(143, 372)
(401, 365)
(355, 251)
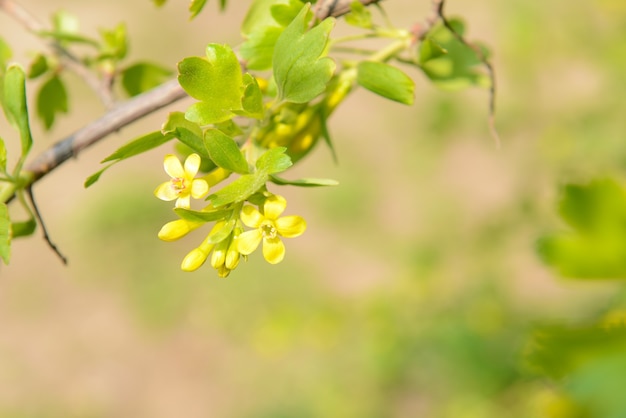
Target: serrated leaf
(187, 132)
(215, 81)
(15, 106)
(240, 189)
(386, 80)
(139, 145)
(224, 151)
(359, 16)
(196, 7)
(5, 233)
(300, 69)
(24, 228)
(142, 77)
(306, 182)
(51, 100)
(38, 67)
(449, 63)
(596, 246)
(274, 161)
(203, 216)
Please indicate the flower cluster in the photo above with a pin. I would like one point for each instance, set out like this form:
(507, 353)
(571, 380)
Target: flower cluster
(227, 242)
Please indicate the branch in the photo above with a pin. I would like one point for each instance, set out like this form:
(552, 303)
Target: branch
(31, 24)
(336, 8)
(117, 118)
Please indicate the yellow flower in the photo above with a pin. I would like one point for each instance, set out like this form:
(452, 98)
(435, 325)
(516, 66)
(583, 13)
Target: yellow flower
(269, 228)
(177, 229)
(183, 186)
(196, 257)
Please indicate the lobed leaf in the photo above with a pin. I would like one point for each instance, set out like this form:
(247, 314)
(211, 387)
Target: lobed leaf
(300, 70)
(216, 81)
(51, 100)
(5, 233)
(225, 152)
(252, 101)
(386, 80)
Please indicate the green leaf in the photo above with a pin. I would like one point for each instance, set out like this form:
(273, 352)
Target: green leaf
(139, 145)
(306, 182)
(225, 152)
(115, 43)
(359, 16)
(300, 71)
(448, 62)
(5, 233)
(3, 156)
(196, 7)
(23, 229)
(203, 216)
(63, 21)
(258, 49)
(285, 13)
(216, 81)
(5, 55)
(65, 38)
(189, 133)
(15, 107)
(51, 100)
(38, 67)
(222, 233)
(386, 80)
(142, 77)
(240, 189)
(252, 101)
(142, 144)
(159, 3)
(274, 161)
(596, 245)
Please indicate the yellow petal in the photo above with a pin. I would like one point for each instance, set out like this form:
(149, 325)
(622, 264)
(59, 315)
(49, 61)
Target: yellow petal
(194, 260)
(273, 250)
(174, 230)
(291, 226)
(173, 167)
(166, 192)
(184, 201)
(219, 254)
(251, 217)
(274, 206)
(199, 188)
(192, 165)
(248, 241)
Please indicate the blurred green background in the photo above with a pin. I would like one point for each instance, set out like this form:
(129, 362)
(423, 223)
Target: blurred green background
(417, 287)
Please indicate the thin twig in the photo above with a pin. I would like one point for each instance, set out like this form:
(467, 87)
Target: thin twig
(46, 237)
(31, 24)
(336, 8)
(438, 6)
(115, 119)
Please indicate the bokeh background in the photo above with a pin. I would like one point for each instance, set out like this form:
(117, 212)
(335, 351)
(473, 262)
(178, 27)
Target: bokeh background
(416, 286)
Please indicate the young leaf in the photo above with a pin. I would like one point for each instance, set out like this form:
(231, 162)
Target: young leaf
(359, 15)
(143, 76)
(5, 55)
(215, 81)
(38, 67)
(222, 233)
(252, 101)
(96, 176)
(240, 189)
(51, 100)
(386, 80)
(189, 133)
(115, 43)
(202, 216)
(306, 182)
(23, 229)
(139, 145)
(274, 161)
(224, 151)
(196, 7)
(300, 71)
(15, 107)
(5, 233)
